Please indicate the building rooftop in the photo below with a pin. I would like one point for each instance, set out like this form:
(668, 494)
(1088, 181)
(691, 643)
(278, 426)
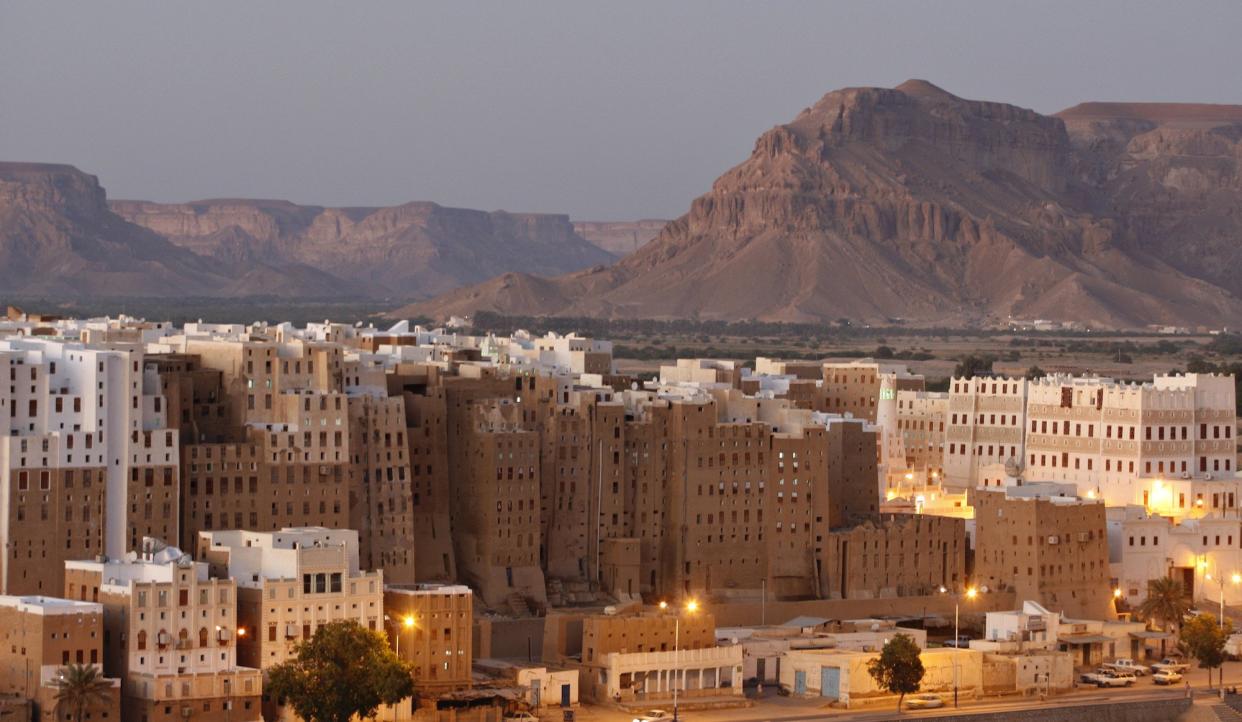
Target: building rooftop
(50, 605)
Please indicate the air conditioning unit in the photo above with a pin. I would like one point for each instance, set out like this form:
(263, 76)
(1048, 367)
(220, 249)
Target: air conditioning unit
(1054, 539)
(1207, 477)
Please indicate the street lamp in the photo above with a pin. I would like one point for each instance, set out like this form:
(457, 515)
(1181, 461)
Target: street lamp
(1220, 582)
(691, 607)
(1235, 578)
(970, 593)
(406, 622)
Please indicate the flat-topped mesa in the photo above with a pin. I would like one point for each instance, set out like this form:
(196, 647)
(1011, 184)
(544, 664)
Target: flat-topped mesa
(410, 250)
(1169, 114)
(53, 186)
(984, 136)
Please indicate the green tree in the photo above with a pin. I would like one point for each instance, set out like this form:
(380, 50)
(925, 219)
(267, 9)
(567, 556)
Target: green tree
(972, 366)
(81, 687)
(898, 669)
(342, 671)
(884, 352)
(1205, 637)
(1035, 372)
(1166, 604)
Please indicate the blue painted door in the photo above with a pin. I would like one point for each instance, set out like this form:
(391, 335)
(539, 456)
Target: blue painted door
(564, 695)
(830, 682)
(800, 682)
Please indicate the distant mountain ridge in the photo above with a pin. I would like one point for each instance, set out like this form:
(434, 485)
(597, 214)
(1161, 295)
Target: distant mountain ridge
(913, 203)
(620, 237)
(412, 250)
(61, 237)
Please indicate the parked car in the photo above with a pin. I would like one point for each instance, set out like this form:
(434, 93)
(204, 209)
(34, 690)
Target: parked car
(655, 715)
(962, 642)
(924, 701)
(1108, 678)
(1128, 665)
(1166, 676)
(521, 717)
(1171, 664)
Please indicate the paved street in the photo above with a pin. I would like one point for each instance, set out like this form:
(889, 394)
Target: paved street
(788, 709)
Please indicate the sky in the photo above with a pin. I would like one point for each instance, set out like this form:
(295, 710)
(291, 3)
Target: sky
(604, 111)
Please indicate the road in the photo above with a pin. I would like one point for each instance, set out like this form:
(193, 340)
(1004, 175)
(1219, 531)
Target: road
(774, 708)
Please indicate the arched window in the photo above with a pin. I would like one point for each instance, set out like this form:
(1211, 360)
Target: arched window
(202, 637)
(142, 640)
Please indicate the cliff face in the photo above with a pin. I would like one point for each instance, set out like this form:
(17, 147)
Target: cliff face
(1169, 174)
(412, 250)
(619, 238)
(57, 237)
(913, 203)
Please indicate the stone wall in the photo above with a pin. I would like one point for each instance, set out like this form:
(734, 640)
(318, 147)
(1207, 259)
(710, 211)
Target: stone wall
(739, 614)
(1146, 710)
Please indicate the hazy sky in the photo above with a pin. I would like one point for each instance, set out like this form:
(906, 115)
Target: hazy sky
(604, 111)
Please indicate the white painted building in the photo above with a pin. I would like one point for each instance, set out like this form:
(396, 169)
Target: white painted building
(986, 419)
(1096, 432)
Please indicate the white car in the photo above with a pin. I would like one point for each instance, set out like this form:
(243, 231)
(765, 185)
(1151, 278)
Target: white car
(521, 717)
(1129, 665)
(1166, 676)
(1170, 664)
(924, 701)
(1106, 678)
(655, 715)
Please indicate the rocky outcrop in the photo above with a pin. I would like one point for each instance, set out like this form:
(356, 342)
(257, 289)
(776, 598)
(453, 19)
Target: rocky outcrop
(619, 238)
(913, 203)
(409, 251)
(58, 238)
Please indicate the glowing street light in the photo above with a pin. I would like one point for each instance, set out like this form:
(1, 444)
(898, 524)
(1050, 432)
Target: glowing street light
(970, 593)
(691, 606)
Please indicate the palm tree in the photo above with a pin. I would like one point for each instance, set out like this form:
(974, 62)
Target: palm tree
(1165, 604)
(80, 687)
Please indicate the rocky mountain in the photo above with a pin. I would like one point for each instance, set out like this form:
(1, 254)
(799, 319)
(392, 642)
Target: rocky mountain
(413, 250)
(619, 237)
(914, 203)
(60, 236)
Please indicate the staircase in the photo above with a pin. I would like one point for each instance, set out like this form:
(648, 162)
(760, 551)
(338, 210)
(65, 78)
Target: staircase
(518, 605)
(1225, 713)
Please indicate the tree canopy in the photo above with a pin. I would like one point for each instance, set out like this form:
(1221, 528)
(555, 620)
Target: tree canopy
(971, 366)
(1166, 603)
(81, 687)
(342, 671)
(898, 669)
(1205, 637)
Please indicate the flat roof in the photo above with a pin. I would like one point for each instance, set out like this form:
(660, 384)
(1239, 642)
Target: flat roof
(50, 605)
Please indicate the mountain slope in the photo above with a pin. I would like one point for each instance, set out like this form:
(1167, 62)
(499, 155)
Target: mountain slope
(619, 237)
(59, 238)
(413, 250)
(907, 202)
